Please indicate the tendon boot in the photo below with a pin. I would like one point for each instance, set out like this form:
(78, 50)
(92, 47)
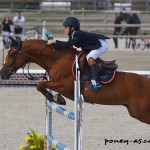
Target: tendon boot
(95, 84)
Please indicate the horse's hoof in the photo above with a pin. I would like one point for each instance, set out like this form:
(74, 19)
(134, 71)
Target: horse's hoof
(59, 99)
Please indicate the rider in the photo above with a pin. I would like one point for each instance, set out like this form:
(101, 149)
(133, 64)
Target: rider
(95, 45)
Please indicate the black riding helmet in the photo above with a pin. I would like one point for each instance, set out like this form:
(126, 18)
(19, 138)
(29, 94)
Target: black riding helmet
(71, 22)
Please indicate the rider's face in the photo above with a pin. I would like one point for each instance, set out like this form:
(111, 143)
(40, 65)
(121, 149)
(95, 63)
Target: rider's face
(66, 30)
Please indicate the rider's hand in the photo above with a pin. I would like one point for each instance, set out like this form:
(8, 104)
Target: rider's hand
(49, 42)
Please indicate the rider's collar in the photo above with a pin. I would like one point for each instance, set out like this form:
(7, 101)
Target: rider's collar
(72, 33)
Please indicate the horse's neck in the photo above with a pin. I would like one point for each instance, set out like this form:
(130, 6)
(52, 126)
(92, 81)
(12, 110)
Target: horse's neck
(43, 55)
(37, 51)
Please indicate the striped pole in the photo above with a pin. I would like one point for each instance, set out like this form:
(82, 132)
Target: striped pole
(61, 110)
(58, 144)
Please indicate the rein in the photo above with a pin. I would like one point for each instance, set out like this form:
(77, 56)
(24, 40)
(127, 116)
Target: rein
(30, 76)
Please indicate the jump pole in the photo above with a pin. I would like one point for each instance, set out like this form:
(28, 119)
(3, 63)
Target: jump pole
(78, 100)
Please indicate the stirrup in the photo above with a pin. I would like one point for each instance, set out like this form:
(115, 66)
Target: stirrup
(98, 85)
(93, 87)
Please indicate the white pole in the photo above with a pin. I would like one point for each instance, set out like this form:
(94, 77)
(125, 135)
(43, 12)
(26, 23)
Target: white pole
(75, 112)
(48, 123)
(75, 109)
(43, 30)
(78, 110)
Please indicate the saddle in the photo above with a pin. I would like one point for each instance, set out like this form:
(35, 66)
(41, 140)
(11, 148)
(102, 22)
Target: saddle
(107, 69)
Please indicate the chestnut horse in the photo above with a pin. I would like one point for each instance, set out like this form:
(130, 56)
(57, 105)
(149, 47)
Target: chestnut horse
(128, 89)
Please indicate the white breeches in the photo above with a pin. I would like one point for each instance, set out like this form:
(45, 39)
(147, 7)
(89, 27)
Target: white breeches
(98, 52)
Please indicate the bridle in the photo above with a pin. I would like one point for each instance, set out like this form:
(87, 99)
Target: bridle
(17, 48)
(12, 69)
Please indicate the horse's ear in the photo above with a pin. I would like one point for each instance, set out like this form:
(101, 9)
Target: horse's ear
(12, 39)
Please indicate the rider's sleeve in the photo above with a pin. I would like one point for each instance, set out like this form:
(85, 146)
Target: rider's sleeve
(72, 41)
(63, 44)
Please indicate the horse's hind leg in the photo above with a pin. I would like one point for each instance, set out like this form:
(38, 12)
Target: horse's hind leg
(146, 118)
(43, 86)
(142, 114)
(145, 113)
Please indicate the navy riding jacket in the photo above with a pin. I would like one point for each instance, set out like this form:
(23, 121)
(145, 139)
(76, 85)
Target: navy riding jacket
(85, 40)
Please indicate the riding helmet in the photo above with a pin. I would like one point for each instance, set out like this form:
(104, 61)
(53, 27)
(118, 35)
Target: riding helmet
(71, 22)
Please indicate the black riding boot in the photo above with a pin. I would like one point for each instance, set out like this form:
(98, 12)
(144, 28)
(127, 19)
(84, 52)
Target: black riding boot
(94, 81)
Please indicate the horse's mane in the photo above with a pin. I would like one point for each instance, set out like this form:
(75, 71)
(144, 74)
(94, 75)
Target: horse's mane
(27, 39)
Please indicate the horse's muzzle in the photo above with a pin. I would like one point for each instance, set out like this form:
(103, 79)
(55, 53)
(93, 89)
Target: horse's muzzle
(5, 75)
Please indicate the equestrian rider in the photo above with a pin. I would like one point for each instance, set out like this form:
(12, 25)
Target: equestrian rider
(95, 45)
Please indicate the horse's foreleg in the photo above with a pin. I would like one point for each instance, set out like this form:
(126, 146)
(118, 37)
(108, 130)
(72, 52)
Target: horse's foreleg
(43, 86)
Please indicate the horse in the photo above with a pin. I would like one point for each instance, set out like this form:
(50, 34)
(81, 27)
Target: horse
(127, 89)
(130, 19)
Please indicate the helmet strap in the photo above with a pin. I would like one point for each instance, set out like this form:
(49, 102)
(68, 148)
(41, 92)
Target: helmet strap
(70, 30)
